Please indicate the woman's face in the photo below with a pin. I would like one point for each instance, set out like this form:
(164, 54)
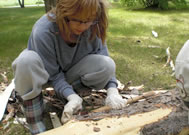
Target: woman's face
(80, 24)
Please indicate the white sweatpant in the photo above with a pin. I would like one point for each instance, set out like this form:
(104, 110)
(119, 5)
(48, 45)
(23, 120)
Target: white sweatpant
(30, 75)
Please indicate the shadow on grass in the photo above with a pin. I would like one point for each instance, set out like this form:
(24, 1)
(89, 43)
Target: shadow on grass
(129, 38)
(156, 10)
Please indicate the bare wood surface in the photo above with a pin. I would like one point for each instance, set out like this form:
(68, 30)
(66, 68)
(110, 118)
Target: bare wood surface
(55, 120)
(145, 95)
(129, 101)
(112, 125)
(119, 122)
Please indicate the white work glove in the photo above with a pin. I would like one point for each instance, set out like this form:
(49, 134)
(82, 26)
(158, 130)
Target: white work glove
(74, 105)
(114, 99)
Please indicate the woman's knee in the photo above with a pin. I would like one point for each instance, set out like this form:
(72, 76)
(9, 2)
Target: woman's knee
(92, 67)
(108, 65)
(27, 59)
(29, 74)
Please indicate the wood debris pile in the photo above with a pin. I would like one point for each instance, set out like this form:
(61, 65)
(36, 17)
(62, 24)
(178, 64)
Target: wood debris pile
(4, 82)
(173, 124)
(161, 100)
(170, 61)
(13, 106)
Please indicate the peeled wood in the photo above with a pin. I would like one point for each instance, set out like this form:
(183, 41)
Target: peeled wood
(129, 101)
(4, 97)
(111, 126)
(55, 120)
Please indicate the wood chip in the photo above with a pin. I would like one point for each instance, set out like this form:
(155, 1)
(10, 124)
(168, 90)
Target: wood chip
(96, 129)
(5, 79)
(11, 111)
(55, 120)
(139, 88)
(50, 91)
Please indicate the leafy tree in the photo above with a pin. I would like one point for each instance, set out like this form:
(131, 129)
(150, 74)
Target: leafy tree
(162, 4)
(21, 3)
(49, 4)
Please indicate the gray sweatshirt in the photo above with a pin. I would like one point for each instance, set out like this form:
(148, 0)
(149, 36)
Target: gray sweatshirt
(58, 57)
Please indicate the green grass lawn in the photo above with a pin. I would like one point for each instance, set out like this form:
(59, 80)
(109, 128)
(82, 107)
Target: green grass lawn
(139, 56)
(15, 28)
(6, 3)
(130, 39)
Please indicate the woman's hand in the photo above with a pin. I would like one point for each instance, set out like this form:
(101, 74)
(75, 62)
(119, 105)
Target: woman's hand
(114, 99)
(73, 106)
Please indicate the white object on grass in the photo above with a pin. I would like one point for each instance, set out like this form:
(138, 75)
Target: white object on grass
(155, 34)
(4, 98)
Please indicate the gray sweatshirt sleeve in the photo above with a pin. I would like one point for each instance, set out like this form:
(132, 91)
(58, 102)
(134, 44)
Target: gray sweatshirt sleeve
(104, 51)
(43, 42)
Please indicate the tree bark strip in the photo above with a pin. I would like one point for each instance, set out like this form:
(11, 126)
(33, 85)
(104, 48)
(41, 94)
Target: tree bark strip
(129, 101)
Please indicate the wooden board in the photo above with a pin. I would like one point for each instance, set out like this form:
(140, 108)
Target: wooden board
(111, 126)
(55, 120)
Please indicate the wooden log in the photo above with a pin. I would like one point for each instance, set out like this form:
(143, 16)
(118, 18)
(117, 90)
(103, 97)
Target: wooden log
(112, 125)
(162, 114)
(129, 101)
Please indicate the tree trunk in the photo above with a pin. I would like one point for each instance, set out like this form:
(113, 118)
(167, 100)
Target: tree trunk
(152, 3)
(21, 3)
(49, 4)
(161, 114)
